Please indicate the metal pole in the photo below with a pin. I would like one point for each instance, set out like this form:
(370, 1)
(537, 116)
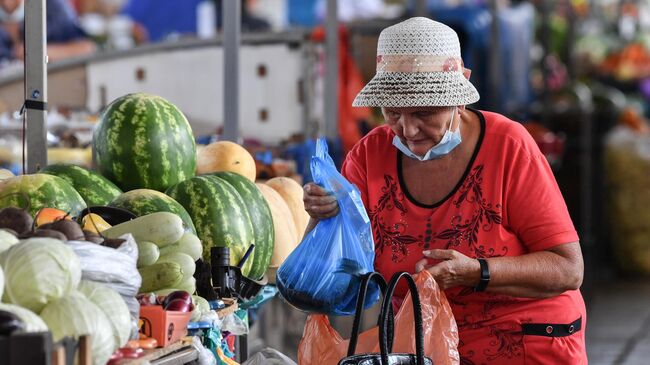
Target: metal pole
(35, 84)
(545, 41)
(331, 70)
(570, 41)
(495, 57)
(231, 42)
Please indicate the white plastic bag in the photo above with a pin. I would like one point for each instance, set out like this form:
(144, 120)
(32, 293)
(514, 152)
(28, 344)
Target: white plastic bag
(206, 357)
(269, 356)
(234, 324)
(115, 267)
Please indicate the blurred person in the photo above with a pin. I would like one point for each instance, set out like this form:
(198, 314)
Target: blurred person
(165, 19)
(64, 36)
(350, 10)
(466, 195)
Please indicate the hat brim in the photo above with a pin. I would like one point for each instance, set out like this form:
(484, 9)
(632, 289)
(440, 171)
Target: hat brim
(397, 89)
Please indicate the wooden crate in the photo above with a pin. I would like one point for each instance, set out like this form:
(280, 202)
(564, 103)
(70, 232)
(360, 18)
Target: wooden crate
(40, 349)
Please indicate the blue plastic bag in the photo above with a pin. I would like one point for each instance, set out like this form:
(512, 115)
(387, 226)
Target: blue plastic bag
(323, 273)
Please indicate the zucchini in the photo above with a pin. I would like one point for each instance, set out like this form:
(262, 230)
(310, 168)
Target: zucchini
(188, 284)
(160, 275)
(184, 260)
(189, 244)
(161, 228)
(148, 253)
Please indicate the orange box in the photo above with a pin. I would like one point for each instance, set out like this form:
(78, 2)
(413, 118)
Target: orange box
(166, 327)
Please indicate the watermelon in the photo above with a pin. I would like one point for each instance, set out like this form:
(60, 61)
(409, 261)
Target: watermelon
(38, 191)
(260, 215)
(144, 141)
(93, 187)
(145, 201)
(219, 214)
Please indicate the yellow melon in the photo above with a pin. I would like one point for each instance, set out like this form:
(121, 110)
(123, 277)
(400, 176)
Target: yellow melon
(286, 237)
(225, 156)
(292, 193)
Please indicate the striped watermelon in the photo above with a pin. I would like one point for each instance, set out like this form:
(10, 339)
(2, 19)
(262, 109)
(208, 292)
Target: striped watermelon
(144, 141)
(219, 215)
(260, 215)
(40, 191)
(93, 187)
(145, 201)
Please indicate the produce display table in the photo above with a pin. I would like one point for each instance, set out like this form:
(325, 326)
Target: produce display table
(178, 353)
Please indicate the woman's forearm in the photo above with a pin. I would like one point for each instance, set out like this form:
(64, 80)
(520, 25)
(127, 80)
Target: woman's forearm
(537, 275)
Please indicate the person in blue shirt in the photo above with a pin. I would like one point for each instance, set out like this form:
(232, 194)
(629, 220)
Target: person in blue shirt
(64, 36)
(165, 19)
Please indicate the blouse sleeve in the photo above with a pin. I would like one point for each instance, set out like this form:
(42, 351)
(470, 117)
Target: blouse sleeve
(536, 210)
(354, 171)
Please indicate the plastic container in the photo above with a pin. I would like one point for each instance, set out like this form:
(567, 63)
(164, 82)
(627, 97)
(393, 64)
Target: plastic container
(166, 327)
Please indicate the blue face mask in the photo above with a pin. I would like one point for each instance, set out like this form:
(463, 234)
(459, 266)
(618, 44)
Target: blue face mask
(449, 141)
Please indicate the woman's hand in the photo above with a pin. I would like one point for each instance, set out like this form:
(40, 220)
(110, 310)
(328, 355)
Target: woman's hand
(453, 268)
(319, 203)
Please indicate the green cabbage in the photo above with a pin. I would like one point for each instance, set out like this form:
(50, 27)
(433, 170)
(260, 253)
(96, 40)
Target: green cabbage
(201, 307)
(33, 323)
(75, 315)
(112, 304)
(38, 271)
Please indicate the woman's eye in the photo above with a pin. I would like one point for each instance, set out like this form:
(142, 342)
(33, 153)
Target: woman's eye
(393, 115)
(422, 115)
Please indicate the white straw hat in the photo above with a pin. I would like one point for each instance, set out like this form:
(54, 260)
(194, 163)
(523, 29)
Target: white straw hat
(418, 64)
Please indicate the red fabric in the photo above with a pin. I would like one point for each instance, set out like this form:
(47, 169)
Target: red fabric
(350, 82)
(509, 204)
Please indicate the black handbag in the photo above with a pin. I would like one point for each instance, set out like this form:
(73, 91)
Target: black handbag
(386, 329)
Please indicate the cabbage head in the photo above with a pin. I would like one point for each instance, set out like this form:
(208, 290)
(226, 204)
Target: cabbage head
(33, 323)
(6, 240)
(75, 315)
(38, 271)
(201, 307)
(113, 307)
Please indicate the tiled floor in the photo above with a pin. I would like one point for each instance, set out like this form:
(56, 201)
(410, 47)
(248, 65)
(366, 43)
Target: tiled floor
(618, 325)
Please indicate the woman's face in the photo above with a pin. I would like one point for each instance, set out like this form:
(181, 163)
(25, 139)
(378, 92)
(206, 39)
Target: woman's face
(10, 5)
(420, 128)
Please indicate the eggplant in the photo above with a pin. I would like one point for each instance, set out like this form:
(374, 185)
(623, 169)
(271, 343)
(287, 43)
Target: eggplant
(10, 323)
(178, 305)
(179, 294)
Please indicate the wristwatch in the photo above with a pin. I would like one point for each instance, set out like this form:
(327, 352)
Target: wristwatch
(485, 276)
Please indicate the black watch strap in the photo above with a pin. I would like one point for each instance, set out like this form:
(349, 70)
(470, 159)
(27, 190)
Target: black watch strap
(485, 276)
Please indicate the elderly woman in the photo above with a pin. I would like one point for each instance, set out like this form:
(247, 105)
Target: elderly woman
(467, 195)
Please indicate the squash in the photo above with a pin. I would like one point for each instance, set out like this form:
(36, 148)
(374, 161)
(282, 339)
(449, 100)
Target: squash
(286, 237)
(226, 156)
(292, 194)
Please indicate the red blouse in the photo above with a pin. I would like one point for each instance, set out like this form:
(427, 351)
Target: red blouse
(507, 204)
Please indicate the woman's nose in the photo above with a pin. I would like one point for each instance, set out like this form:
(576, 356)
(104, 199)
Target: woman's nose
(409, 128)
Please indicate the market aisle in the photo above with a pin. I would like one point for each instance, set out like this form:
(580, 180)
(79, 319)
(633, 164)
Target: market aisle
(618, 330)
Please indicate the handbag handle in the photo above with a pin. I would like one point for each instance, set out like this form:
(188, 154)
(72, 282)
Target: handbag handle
(361, 299)
(385, 313)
